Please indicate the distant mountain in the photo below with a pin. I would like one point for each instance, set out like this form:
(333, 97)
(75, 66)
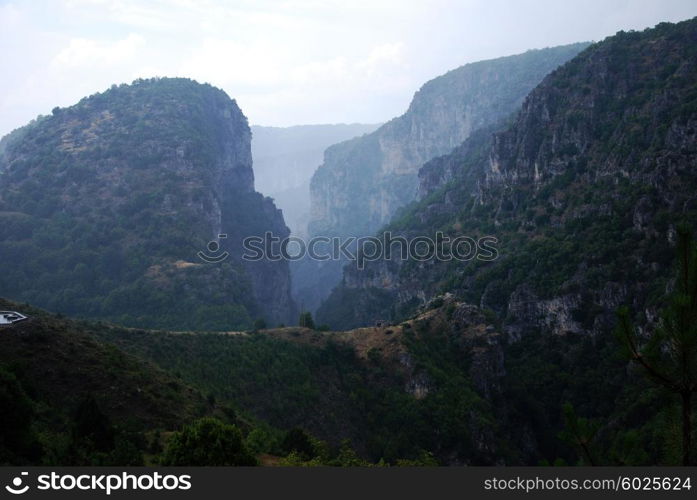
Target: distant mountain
(104, 206)
(285, 159)
(363, 181)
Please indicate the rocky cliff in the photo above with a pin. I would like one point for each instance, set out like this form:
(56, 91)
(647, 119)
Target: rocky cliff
(363, 181)
(105, 204)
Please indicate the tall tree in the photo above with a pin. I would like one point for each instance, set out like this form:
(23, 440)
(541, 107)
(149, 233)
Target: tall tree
(207, 442)
(668, 355)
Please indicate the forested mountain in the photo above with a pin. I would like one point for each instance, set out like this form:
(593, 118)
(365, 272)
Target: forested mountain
(71, 396)
(363, 182)
(285, 159)
(105, 204)
(583, 191)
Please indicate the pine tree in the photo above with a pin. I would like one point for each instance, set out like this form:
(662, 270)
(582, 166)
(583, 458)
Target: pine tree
(579, 432)
(669, 354)
(306, 320)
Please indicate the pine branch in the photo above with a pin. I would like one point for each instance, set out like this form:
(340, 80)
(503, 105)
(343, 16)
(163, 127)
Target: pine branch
(638, 357)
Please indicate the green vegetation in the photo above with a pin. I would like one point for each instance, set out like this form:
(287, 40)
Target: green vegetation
(339, 409)
(18, 439)
(582, 189)
(71, 400)
(310, 382)
(580, 432)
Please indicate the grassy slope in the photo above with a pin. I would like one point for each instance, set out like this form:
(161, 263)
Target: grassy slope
(393, 392)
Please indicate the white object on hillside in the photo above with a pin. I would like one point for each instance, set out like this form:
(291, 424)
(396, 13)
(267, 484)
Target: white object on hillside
(9, 317)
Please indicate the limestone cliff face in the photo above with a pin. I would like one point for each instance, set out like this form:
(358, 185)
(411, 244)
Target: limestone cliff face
(583, 190)
(363, 182)
(121, 191)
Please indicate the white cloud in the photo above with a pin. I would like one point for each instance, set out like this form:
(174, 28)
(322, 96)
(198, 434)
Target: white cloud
(229, 62)
(380, 61)
(87, 52)
(392, 53)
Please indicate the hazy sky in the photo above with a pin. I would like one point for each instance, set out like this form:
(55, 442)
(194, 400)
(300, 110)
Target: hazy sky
(286, 62)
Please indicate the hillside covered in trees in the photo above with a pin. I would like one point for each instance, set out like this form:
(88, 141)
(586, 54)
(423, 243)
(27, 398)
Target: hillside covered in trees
(104, 206)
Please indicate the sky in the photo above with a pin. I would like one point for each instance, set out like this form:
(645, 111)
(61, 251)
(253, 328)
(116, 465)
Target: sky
(285, 62)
